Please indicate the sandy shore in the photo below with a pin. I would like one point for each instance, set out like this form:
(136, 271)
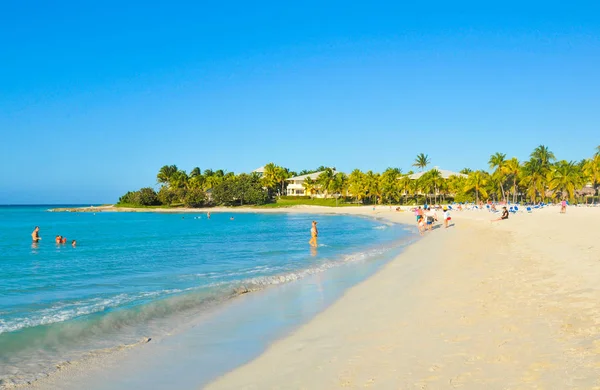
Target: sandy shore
(507, 305)
(512, 304)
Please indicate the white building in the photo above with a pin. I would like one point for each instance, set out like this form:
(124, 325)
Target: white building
(295, 185)
(260, 171)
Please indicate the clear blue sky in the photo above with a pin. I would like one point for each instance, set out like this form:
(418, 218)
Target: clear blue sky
(96, 96)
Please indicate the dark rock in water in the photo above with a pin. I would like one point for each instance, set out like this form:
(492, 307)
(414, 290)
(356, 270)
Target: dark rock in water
(241, 290)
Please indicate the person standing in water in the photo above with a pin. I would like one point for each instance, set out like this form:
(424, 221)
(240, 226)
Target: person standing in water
(208, 215)
(314, 233)
(35, 235)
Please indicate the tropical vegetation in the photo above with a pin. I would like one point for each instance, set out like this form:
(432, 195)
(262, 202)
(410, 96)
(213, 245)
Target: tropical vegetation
(541, 178)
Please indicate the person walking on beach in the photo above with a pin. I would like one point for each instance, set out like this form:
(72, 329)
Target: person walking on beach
(314, 233)
(563, 206)
(447, 217)
(431, 216)
(35, 235)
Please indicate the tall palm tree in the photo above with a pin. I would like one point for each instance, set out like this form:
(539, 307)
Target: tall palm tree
(466, 171)
(565, 178)
(511, 169)
(543, 155)
(476, 182)
(421, 161)
(373, 186)
(195, 172)
(533, 178)
(324, 180)
(435, 181)
(389, 184)
(165, 174)
(281, 175)
(591, 170)
(404, 185)
(497, 162)
(309, 186)
(597, 150)
(269, 178)
(356, 185)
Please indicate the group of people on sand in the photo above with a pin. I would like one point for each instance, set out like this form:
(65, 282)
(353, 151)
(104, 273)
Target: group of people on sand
(427, 217)
(60, 240)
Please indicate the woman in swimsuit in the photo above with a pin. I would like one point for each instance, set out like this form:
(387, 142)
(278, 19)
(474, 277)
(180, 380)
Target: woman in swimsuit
(314, 233)
(503, 216)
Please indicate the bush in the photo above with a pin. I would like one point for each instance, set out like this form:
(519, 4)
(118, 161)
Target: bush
(166, 196)
(147, 197)
(194, 197)
(288, 197)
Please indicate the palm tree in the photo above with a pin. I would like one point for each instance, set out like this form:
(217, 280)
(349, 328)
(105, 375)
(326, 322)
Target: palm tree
(543, 155)
(404, 185)
(309, 186)
(281, 175)
(591, 170)
(165, 174)
(565, 178)
(597, 150)
(497, 162)
(372, 185)
(512, 168)
(195, 172)
(533, 178)
(389, 184)
(324, 180)
(269, 178)
(466, 171)
(421, 161)
(339, 185)
(432, 181)
(477, 181)
(356, 185)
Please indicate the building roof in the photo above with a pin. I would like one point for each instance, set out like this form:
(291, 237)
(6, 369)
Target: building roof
(445, 174)
(260, 170)
(313, 176)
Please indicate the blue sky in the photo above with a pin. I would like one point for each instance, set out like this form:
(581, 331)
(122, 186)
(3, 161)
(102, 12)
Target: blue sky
(96, 96)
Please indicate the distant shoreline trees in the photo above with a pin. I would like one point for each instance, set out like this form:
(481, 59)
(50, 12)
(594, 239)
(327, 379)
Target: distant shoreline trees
(541, 178)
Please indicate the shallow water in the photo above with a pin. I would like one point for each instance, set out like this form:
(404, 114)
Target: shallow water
(131, 272)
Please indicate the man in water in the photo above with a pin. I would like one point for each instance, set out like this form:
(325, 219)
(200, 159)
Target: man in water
(35, 235)
(314, 233)
(73, 243)
(58, 239)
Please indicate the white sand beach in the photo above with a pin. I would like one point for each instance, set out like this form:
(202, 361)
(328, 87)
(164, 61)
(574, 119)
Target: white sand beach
(511, 304)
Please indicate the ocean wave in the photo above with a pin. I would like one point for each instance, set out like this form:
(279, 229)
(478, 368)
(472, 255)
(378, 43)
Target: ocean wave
(380, 227)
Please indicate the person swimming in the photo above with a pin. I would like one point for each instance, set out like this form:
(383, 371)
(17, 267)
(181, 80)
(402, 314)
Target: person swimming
(63, 240)
(73, 243)
(35, 235)
(58, 239)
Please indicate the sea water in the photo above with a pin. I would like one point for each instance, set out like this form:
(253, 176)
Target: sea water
(131, 272)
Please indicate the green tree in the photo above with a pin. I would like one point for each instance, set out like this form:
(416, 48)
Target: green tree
(591, 170)
(497, 162)
(421, 161)
(533, 178)
(324, 180)
(512, 169)
(476, 181)
(309, 186)
(356, 185)
(166, 173)
(389, 185)
(466, 171)
(194, 197)
(565, 177)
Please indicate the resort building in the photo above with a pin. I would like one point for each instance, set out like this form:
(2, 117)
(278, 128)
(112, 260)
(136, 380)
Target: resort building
(295, 185)
(260, 171)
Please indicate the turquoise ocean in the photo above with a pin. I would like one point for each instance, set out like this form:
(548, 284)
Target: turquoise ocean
(131, 273)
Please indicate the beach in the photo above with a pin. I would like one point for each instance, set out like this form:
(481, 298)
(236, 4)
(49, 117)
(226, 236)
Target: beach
(506, 305)
(510, 304)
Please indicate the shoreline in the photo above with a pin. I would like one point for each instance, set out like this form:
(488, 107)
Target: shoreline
(93, 357)
(493, 305)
